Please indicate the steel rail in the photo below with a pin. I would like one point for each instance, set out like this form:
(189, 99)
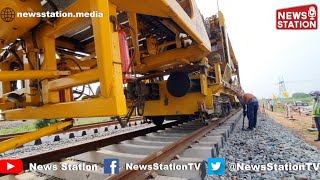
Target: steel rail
(82, 147)
(170, 151)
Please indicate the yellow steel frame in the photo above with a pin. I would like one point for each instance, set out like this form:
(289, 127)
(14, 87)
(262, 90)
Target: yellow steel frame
(193, 26)
(28, 137)
(95, 107)
(22, 75)
(108, 73)
(188, 104)
(170, 9)
(171, 58)
(185, 105)
(74, 80)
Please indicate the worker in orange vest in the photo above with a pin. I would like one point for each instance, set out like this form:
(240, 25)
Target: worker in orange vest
(250, 108)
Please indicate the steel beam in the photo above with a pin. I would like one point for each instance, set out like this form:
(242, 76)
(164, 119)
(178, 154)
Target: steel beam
(193, 25)
(97, 107)
(74, 80)
(170, 58)
(28, 137)
(65, 24)
(108, 55)
(33, 74)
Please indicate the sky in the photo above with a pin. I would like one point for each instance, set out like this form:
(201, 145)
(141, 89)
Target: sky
(264, 53)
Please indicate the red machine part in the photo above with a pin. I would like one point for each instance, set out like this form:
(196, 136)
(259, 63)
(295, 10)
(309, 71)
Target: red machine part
(125, 57)
(63, 66)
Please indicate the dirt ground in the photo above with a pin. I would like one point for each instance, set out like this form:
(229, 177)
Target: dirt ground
(14, 124)
(299, 126)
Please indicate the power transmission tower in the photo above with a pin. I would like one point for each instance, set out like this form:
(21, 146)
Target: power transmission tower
(282, 89)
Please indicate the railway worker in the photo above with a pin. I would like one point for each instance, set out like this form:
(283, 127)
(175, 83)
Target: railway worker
(271, 105)
(250, 107)
(316, 111)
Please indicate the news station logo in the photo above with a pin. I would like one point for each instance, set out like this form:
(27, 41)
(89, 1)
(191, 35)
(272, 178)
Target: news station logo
(111, 166)
(11, 166)
(7, 14)
(298, 18)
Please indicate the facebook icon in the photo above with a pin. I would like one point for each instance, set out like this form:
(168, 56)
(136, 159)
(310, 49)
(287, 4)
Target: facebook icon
(111, 166)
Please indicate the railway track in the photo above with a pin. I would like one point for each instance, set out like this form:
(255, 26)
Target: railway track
(76, 128)
(175, 143)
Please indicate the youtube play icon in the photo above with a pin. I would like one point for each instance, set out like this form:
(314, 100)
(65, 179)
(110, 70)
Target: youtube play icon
(11, 166)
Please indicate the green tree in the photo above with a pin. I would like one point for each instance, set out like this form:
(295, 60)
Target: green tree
(300, 95)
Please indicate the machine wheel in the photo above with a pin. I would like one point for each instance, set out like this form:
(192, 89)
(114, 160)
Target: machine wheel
(157, 120)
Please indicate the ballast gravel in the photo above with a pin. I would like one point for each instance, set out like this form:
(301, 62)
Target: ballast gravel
(37, 149)
(268, 143)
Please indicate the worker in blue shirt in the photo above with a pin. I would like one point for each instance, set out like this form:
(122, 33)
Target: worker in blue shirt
(250, 108)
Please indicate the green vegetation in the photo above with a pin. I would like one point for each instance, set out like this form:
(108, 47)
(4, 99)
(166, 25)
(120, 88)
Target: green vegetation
(42, 123)
(300, 95)
(21, 129)
(45, 122)
(280, 104)
(91, 120)
(293, 100)
(279, 109)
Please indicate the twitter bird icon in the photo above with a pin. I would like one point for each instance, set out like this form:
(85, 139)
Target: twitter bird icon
(216, 166)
